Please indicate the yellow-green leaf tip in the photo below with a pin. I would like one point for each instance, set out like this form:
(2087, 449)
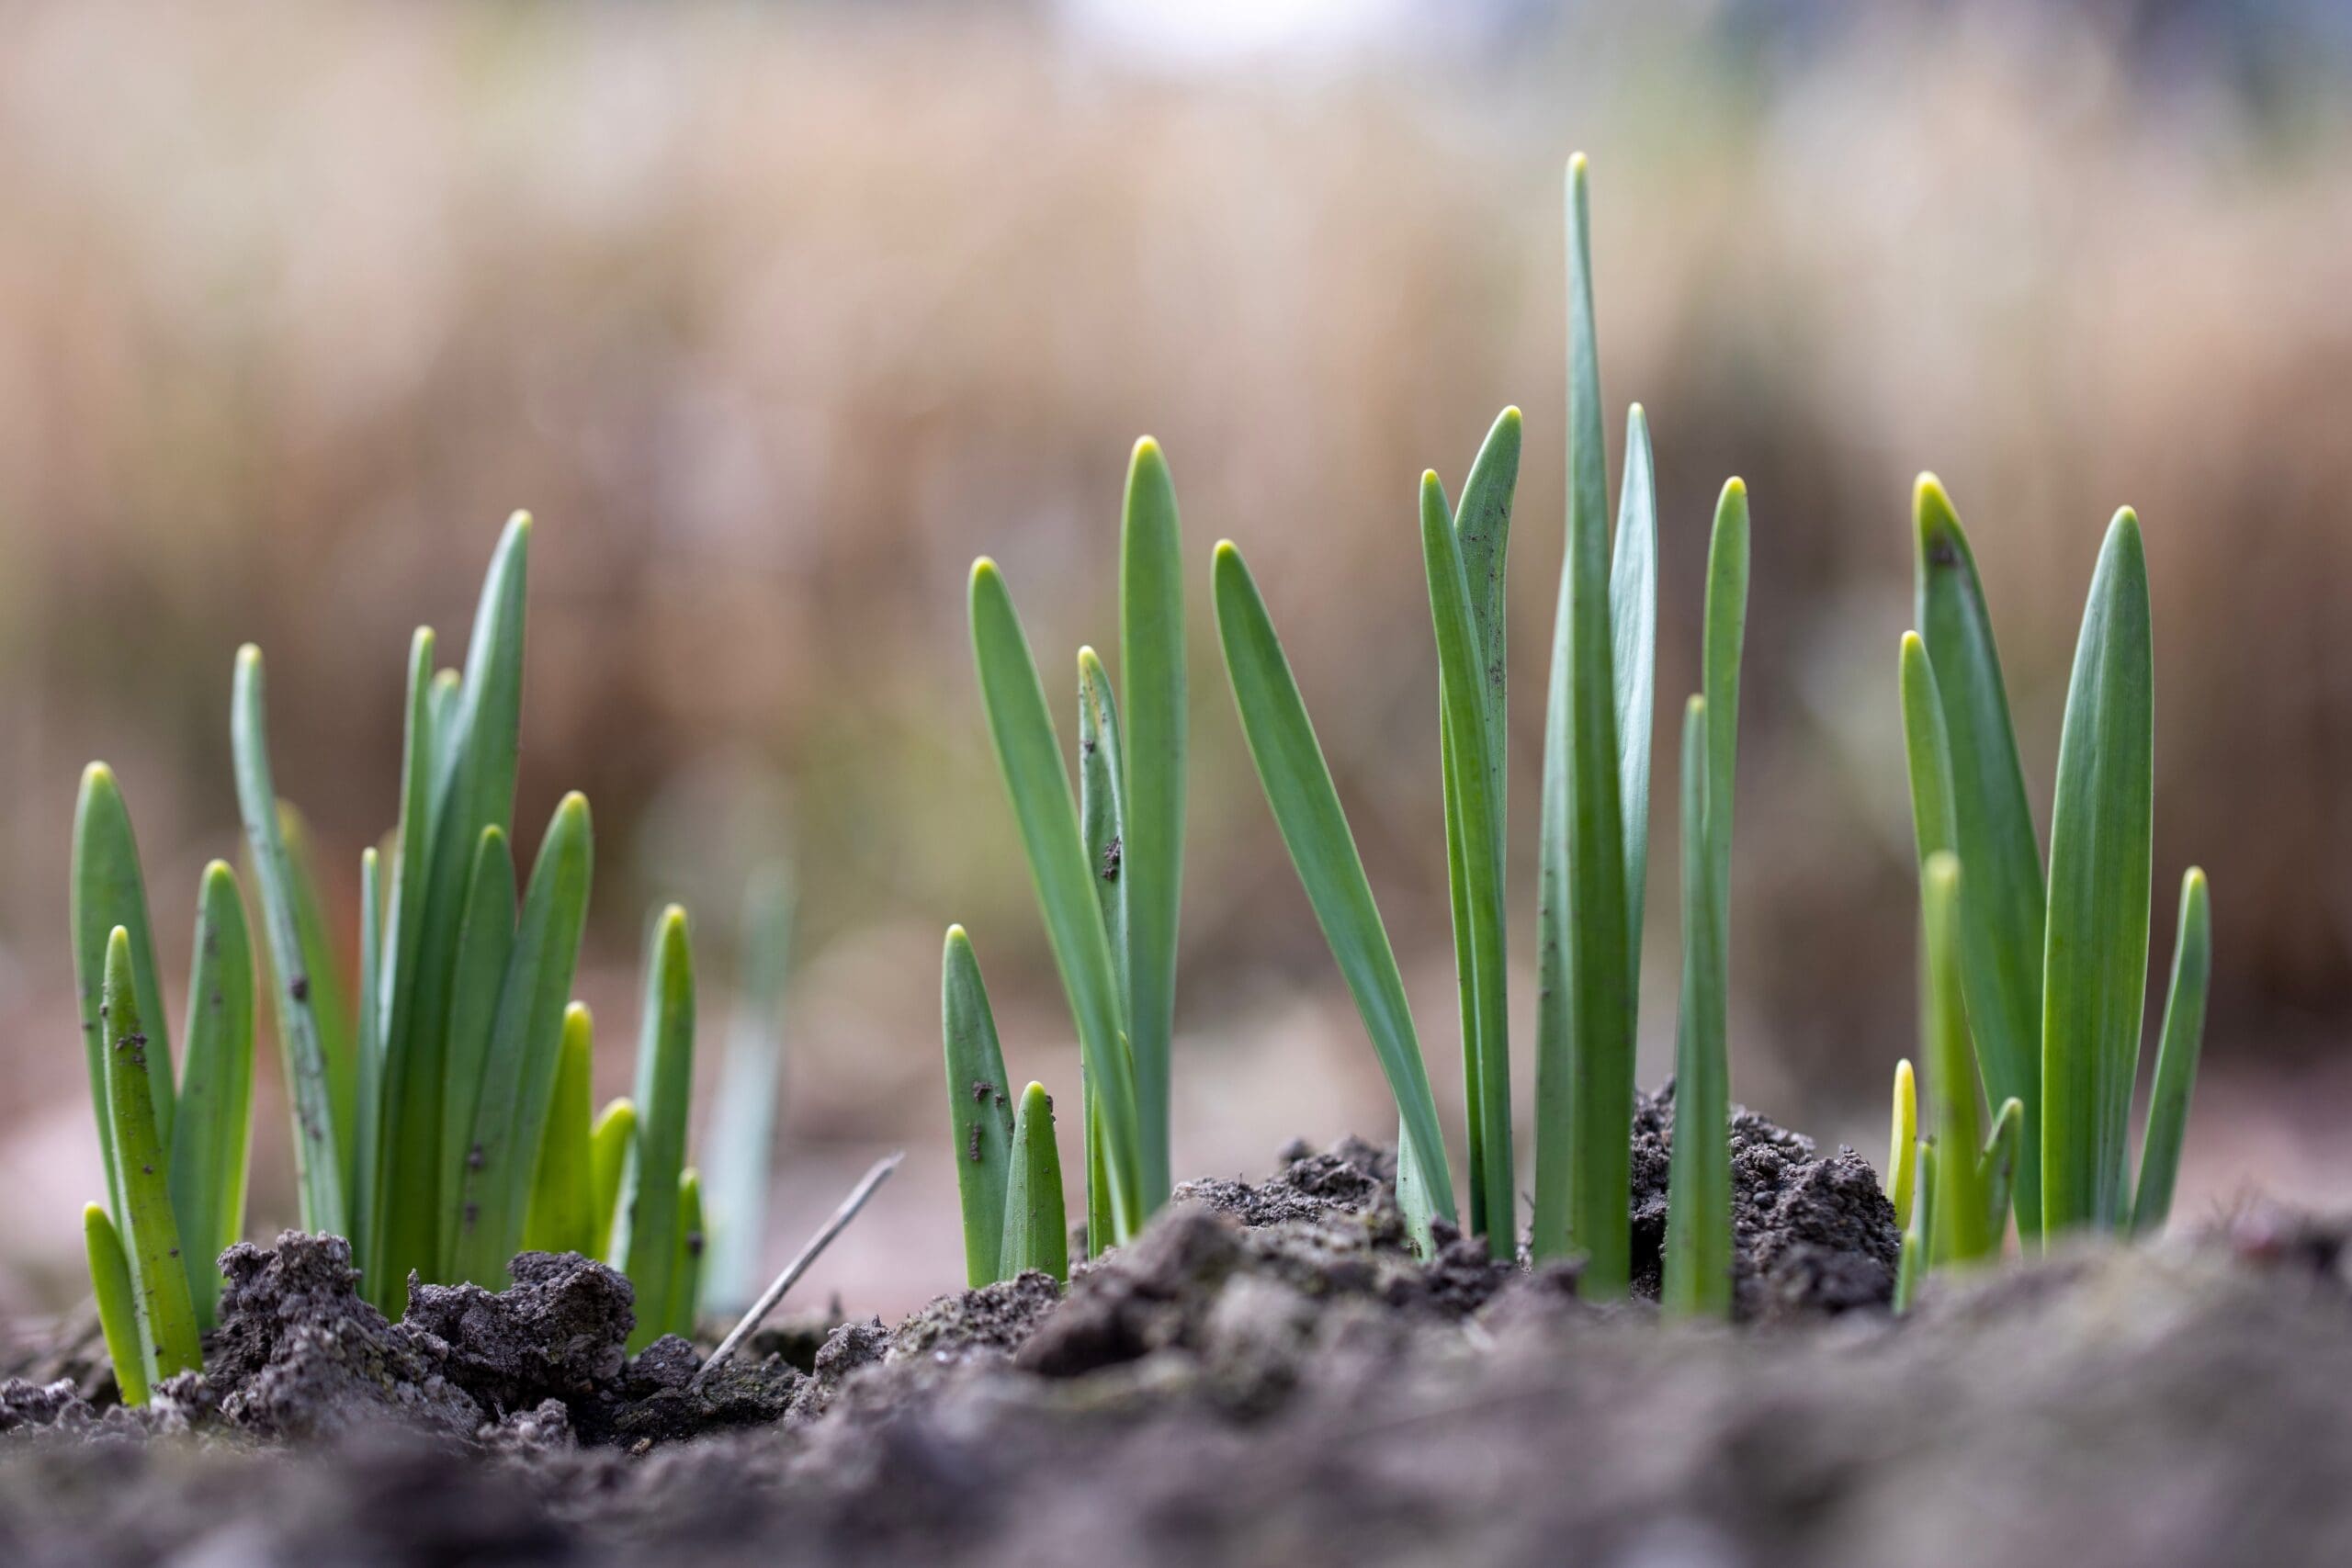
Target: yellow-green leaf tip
(1146, 450)
(1735, 486)
(957, 936)
(1035, 1101)
(97, 775)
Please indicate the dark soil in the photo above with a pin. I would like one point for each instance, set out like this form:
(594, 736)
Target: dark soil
(1267, 1375)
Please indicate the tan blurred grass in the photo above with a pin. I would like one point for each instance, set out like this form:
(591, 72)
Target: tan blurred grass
(775, 318)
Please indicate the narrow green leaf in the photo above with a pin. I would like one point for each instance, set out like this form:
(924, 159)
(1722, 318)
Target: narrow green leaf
(1314, 828)
(665, 1056)
(1918, 1241)
(519, 1072)
(367, 1097)
(331, 1006)
(2095, 972)
(472, 759)
(742, 1132)
(398, 946)
(1583, 1047)
(609, 1142)
(318, 1172)
(1927, 751)
(108, 891)
(1901, 1153)
(1031, 760)
(1633, 621)
(1037, 1235)
(1961, 1208)
(687, 1309)
(166, 1311)
(562, 1216)
(979, 1110)
(485, 944)
(1474, 843)
(2182, 1042)
(1993, 829)
(1723, 639)
(1698, 1276)
(1151, 859)
(215, 1130)
(1101, 814)
(117, 1304)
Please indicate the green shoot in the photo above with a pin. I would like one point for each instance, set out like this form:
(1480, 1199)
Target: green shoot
(743, 1126)
(562, 1216)
(1584, 1048)
(214, 1130)
(485, 944)
(118, 1305)
(1633, 620)
(164, 1309)
(1919, 1239)
(2094, 971)
(330, 1005)
(1036, 1236)
(2183, 1038)
(980, 1111)
(1902, 1153)
(1474, 853)
(1997, 1174)
(1151, 860)
(1030, 759)
(108, 890)
(1991, 830)
(368, 1109)
(609, 1142)
(1698, 1276)
(1314, 829)
(657, 1158)
(1102, 813)
(1966, 1230)
(688, 1309)
(318, 1173)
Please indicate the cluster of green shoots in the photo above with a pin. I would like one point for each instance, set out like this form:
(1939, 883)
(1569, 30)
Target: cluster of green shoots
(2035, 980)
(1105, 871)
(441, 1108)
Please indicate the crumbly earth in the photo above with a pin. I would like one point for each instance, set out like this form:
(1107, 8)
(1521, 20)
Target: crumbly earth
(1266, 1376)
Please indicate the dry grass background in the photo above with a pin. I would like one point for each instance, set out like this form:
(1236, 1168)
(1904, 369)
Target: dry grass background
(775, 318)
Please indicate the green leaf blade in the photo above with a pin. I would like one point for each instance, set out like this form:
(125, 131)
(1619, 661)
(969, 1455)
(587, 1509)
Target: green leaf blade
(109, 890)
(1305, 806)
(1632, 623)
(164, 1308)
(980, 1108)
(609, 1142)
(1698, 1268)
(1030, 759)
(656, 1159)
(214, 1133)
(563, 1215)
(2181, 1044)
(1993, 829)
(1036, 1233)
(2101, 838)
(1962, 1208)
(117, 1296)
(1152, 670)
(485, 944)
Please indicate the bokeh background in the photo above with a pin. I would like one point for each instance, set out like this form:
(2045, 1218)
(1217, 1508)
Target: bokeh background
(776, 315)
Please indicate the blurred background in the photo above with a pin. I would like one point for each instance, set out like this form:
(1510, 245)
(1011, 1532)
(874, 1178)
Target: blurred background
(776, 315)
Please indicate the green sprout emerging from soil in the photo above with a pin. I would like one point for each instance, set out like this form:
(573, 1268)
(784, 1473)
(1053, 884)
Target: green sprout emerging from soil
(2035, 985)
(2032, 989)
(440, 1110)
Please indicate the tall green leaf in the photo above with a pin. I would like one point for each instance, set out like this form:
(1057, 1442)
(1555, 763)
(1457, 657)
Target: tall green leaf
(1151, 860)
(609, 1142)
(1314, 829)
(1632, 623)
(215, 1128)
(1698, 1273)
(165, 1311)
(485, 944)
(367, 1097)
(1992, 831)
(525, 1045)
(108, 890)
(1474, 844)
(318, 1171)
(1927, 751)
(330, 1005)
(398, 943)
(1101, 814)
(1583, 1047)
(658, 1158)
(1036, 1236)
(1963, 1232)
(1724, 638)
(979, 1110)
(2182, 1042)
(1031, 760)
(472, 763)
(2096, 964)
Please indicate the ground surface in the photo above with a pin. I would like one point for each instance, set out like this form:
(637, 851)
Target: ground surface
(1267, 1376)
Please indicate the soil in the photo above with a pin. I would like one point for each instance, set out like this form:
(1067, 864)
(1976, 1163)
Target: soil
(1267, 1375)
